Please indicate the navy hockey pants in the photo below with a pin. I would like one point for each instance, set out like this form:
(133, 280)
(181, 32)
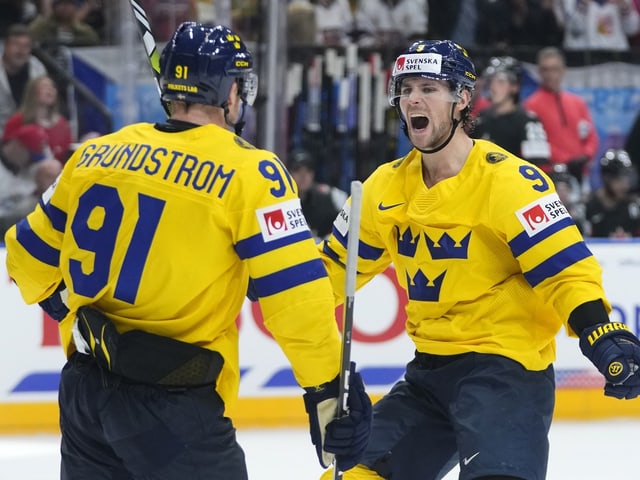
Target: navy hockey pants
(485, 412)
(120, 431)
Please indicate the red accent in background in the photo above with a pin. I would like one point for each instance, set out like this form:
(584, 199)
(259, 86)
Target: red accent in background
(50, 332)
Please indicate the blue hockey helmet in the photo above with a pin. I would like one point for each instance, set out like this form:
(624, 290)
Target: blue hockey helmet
(200, 64)
(436, 59)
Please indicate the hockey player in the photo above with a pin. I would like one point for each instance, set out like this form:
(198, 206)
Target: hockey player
(155, 230)
(613, 210)
(493, 266)
(506, 122)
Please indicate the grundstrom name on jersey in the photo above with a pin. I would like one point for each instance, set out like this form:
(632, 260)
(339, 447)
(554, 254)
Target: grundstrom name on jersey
(281, 220)
(541, 214)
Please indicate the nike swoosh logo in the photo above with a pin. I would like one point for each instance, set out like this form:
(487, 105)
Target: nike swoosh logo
(387, 207)
(468, 460)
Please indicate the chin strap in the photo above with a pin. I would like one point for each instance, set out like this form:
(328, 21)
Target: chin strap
(239, 125)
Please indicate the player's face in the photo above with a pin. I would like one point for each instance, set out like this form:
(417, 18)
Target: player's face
(500, 89)
(47, 92)
(551, 71)
(426, 105)
(17, 50)
(618, 186)
(304, 179)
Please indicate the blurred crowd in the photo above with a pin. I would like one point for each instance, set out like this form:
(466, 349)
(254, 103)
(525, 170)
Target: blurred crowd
(498, 24)
(551, 128)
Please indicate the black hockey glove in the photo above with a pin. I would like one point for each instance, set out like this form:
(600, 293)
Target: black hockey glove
(145, 357)
(344, 438)
(615, 352)
(95, 334)
(56, 304)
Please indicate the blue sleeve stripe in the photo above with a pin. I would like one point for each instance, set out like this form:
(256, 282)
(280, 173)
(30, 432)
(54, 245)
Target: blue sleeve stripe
(36, 247)
(558, 262)
(329, 252)
(524, 242)
(290, 277)
(255, 245)
(341, 238)
(58, 217)
(365, 251)
(369, 252)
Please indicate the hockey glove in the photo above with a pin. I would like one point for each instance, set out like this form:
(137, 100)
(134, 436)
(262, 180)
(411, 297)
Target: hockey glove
(56, 304)
(146, 357)
(100, 336)
(344, 438)
(615, 352)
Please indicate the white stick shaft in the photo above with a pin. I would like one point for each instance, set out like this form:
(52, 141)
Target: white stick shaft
(353, 238)
(351, 271)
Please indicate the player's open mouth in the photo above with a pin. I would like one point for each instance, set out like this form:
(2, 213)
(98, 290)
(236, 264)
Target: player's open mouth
(419, 122)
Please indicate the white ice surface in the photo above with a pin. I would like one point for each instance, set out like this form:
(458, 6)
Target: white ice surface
(597, 450)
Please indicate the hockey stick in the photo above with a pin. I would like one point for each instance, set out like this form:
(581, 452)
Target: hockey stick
(149, 42)
(351, 271)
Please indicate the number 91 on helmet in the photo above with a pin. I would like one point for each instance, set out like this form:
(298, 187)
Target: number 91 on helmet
(200, 64)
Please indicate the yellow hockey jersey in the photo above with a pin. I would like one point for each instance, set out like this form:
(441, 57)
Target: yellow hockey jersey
(161, 231)
(490, 259)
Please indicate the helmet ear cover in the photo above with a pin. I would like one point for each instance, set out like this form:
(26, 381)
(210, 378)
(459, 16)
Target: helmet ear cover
(200, 64)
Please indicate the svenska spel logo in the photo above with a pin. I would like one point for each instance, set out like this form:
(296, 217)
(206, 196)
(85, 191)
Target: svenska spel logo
(542, 213)
(535, 217)
(281, 220)
(274, 221)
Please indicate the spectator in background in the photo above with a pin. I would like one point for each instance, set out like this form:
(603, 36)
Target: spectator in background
(632, 145)
(505, 23)
(564, 115)
(16, 11)
(25, 167)
(166, 15)
(537, 23)
(454, 19)
(494, 23)
(17, 68)
(634, 41)
(247, 19)
(569, 192)
(41, 107)
(391, 22)
(301, 23)
(61, 27)
(320, 202)
(599, 24)
(506, 122)
(612, 210)
(93, 13)
(334, 22)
